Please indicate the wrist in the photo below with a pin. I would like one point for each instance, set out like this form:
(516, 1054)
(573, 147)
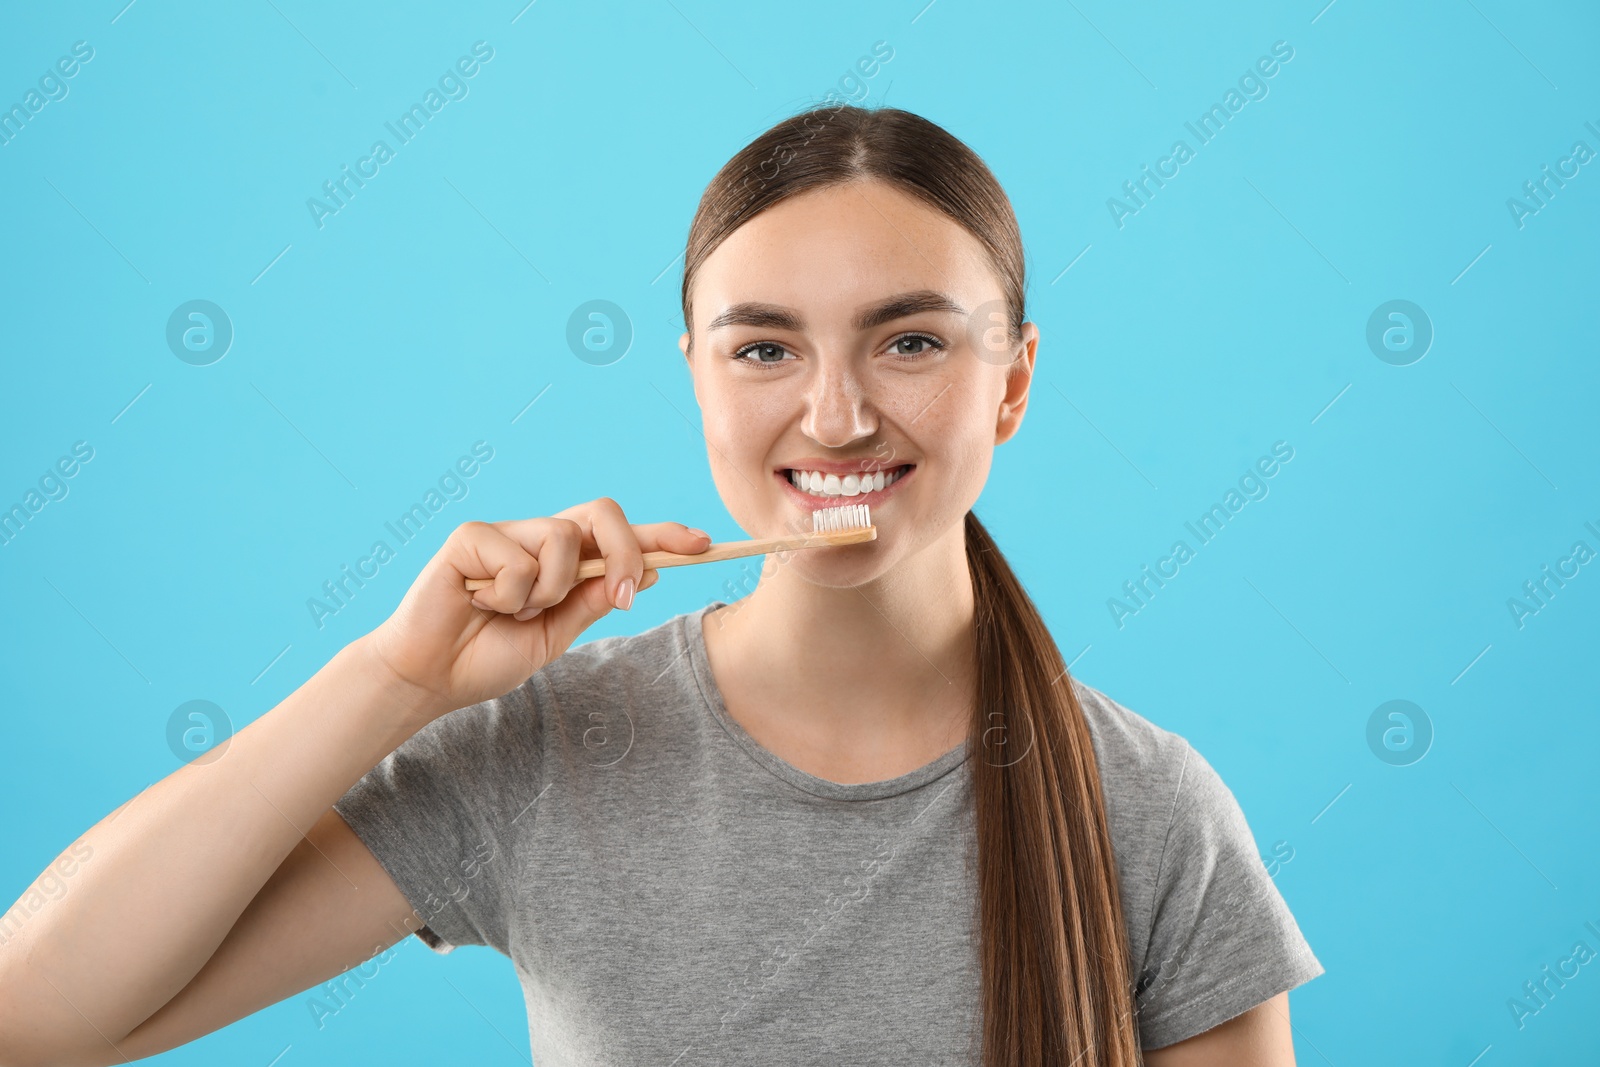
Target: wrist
(413, 706)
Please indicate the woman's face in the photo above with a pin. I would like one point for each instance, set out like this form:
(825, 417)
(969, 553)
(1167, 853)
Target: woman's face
(841, 336)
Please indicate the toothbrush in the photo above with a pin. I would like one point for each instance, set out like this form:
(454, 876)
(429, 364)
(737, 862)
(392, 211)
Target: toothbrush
(846, 525)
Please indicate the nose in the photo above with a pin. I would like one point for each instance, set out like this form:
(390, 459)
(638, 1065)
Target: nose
(838, 407)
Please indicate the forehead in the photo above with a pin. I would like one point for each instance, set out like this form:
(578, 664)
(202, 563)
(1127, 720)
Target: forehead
(833, 249)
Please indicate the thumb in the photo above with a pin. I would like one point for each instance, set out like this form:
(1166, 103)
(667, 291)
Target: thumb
(582, 607)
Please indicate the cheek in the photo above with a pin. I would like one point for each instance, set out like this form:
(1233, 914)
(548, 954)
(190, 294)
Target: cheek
(741, 427)
(956, 437)
(742, 423)
(924, 405)
(947, 416)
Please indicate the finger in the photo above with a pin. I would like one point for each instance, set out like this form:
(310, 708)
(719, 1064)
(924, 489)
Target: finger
(582, 608)
(619, 547)
(481, 551)
(555, 545)
(652, 536)
(560, 542)
(672, 537)
(669, 536)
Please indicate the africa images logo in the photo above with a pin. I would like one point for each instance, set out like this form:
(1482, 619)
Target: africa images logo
(1205, 128)
(452, 85)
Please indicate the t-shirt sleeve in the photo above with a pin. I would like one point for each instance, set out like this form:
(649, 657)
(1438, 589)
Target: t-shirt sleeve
(443, 813)
(1222, 938)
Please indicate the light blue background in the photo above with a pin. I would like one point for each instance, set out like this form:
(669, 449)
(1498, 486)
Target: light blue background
(1228, 314)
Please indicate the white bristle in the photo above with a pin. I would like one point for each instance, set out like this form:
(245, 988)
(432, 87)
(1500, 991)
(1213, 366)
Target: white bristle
(846, 517)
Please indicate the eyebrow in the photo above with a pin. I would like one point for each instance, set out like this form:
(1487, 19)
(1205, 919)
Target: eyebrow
(778, 317)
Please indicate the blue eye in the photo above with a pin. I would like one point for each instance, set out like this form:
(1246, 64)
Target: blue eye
(771, 354)
(768, 354)
(925, 343)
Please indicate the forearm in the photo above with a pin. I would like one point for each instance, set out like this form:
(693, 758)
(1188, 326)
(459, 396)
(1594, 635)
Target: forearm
(161, 881)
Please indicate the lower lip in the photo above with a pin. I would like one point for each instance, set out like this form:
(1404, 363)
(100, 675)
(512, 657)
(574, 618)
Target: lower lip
(816, 503)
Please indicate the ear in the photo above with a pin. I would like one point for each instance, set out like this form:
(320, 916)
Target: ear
(683, 345)
(1019, 376)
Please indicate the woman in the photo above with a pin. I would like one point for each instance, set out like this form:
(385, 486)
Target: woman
(862, 815)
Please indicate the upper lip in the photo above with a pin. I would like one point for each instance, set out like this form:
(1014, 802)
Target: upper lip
(866, 464)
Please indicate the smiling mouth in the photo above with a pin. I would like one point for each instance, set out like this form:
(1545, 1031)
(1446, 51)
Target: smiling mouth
(822, 485)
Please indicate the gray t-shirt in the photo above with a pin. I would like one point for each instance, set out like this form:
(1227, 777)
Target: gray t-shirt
(670, 892)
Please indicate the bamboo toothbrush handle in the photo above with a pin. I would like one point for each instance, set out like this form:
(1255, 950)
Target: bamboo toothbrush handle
(594, 568)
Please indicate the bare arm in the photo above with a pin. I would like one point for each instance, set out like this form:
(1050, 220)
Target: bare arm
(1258, 1038)
(328, 907)
(232, 883)
(204, 869)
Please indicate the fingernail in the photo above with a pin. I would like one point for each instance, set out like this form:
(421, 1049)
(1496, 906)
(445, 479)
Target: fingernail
(625, 594)
(699, 533)
(527, 613)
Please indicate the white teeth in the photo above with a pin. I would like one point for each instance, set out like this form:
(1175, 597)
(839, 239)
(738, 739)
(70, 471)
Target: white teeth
(818, 483)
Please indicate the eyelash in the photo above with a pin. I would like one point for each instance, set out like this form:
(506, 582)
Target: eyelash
(933, 343)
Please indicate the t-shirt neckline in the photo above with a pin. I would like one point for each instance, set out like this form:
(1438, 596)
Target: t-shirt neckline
(693, 636)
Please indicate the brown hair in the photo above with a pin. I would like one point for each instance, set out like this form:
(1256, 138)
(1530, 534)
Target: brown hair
(1057, 986)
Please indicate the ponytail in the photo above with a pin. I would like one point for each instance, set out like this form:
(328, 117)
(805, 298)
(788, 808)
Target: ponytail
(1057, 986)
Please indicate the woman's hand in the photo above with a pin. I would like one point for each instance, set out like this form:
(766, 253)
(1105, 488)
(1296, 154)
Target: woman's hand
(457, 648)
(268, 907)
